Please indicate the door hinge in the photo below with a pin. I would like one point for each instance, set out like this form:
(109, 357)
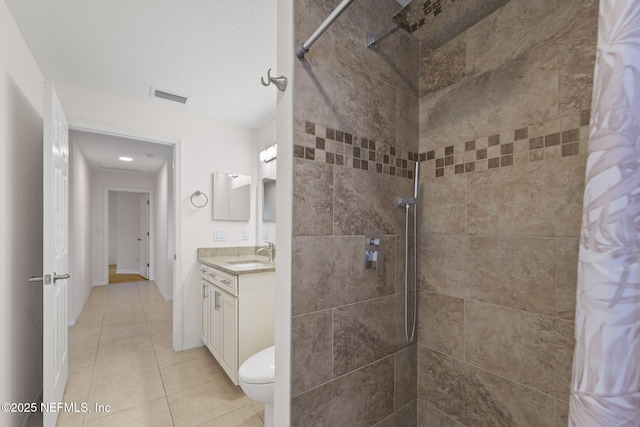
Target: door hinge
(147, 265)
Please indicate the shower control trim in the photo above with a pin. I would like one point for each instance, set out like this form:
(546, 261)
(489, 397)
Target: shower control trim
(374, 251)
(403, 201)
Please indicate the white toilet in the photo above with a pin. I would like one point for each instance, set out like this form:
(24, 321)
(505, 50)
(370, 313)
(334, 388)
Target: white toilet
(256, 377)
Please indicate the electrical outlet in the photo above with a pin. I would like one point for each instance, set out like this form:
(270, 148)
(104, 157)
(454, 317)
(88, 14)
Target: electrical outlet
(265, 234)
(245, 234)
(219, 235)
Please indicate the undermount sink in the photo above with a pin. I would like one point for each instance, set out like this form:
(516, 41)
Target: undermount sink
(249, 263)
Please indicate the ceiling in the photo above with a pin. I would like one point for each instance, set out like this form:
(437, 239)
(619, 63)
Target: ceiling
(102, 152)
(212, 51)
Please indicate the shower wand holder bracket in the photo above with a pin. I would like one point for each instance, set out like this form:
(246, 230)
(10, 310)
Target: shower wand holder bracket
(374, 251)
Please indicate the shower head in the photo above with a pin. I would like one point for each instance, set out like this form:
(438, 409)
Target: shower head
(436, 22)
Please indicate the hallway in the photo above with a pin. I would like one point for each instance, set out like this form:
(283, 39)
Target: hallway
(120, 354)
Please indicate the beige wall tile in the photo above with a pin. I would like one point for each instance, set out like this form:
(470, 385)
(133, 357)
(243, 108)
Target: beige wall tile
(405, 376)
(360, 398)
(396, 60)
(344, 97)
(311, 350)
(568, 251)
(529, 200)
(403, 417)
(428, 416)
(443, 204)
(576, 60)
(511, 96)
(518, 273)
(407, 131)
(531, 349)
(329, 272)
(441, 323)
(473, 396)
(515, 29)
(442, 67)
(312, 198)
(368, 201)
(361, 335)
(562, 413)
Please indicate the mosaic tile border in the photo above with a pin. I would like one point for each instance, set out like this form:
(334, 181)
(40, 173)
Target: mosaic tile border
(413, 16)
(551, 140)
(324, 144)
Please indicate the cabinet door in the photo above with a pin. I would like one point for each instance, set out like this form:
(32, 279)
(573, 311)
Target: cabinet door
(229, 355)
(215, 321)
(204, 313)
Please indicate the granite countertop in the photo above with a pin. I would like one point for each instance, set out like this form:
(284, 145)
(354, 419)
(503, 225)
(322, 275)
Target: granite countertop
(239, 264)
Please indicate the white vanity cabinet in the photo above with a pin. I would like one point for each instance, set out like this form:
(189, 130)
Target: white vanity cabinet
(237, 316)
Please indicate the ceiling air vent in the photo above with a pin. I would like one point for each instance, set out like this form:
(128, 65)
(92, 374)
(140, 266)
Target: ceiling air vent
(169, 96)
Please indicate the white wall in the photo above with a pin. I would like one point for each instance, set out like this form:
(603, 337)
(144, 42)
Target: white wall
(128, 232)
(113, 227)
(206, 146)
(162, 232)
(21, 104)
(266, 137)
(79, 231)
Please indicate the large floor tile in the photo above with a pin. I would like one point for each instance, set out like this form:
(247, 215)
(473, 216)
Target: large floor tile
(206, 402)
(151, 414)
(243, 417)
(189, 374)
(126, 393)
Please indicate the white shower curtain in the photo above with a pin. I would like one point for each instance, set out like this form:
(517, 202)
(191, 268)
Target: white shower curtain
(605, 387)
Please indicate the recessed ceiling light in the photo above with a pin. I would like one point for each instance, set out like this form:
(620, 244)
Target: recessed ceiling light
(125, 159)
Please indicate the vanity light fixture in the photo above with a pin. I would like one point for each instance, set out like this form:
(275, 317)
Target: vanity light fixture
(269, 153)
(125, 159)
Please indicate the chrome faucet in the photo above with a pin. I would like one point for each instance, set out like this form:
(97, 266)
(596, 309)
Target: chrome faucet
(269, 249)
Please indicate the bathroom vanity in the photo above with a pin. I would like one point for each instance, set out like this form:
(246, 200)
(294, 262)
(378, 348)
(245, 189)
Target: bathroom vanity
(238, 299)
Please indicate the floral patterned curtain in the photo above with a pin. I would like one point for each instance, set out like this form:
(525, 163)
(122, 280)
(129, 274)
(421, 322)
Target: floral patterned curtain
(606, 368)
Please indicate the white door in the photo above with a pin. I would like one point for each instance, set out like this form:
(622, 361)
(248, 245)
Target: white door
(143, 255)
(56, 256)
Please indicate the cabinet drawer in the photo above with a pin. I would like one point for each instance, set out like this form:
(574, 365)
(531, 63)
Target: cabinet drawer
(204, 270)
(223, 280)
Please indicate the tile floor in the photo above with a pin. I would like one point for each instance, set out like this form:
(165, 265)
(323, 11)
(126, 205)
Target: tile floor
(120, 354)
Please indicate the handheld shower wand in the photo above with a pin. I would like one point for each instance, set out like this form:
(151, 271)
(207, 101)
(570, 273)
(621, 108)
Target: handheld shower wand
(406, 203)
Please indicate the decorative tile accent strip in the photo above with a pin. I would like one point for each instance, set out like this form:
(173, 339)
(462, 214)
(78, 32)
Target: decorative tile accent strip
(543, 141)
(327, 145)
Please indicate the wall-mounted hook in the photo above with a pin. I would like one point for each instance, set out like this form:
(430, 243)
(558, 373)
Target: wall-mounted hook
(279, 82)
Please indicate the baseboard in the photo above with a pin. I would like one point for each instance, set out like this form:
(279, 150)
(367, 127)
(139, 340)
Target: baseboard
(100, 283)
(193, 344)
(118, 271)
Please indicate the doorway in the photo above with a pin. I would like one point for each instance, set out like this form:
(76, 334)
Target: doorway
(127, 235)
(99, 141)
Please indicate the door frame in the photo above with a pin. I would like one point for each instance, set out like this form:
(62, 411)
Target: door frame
(105, 226)
(176, 143)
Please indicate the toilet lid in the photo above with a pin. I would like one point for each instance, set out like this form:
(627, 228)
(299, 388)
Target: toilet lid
(259, 368)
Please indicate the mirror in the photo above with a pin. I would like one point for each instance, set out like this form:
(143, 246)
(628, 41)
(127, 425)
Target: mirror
(231, 196)
(269, 199)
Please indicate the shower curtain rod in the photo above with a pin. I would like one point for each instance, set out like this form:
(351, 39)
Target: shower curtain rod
(304, 47)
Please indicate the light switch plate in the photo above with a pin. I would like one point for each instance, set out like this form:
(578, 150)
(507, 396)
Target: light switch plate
(219, 235)
(265, 234)
(245, 234)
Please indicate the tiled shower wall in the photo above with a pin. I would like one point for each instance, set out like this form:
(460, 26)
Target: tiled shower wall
(356, 137)
(504, 112)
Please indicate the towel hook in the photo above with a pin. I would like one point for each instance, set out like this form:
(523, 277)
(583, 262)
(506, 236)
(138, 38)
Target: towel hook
(279, 82)
(199, 193)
